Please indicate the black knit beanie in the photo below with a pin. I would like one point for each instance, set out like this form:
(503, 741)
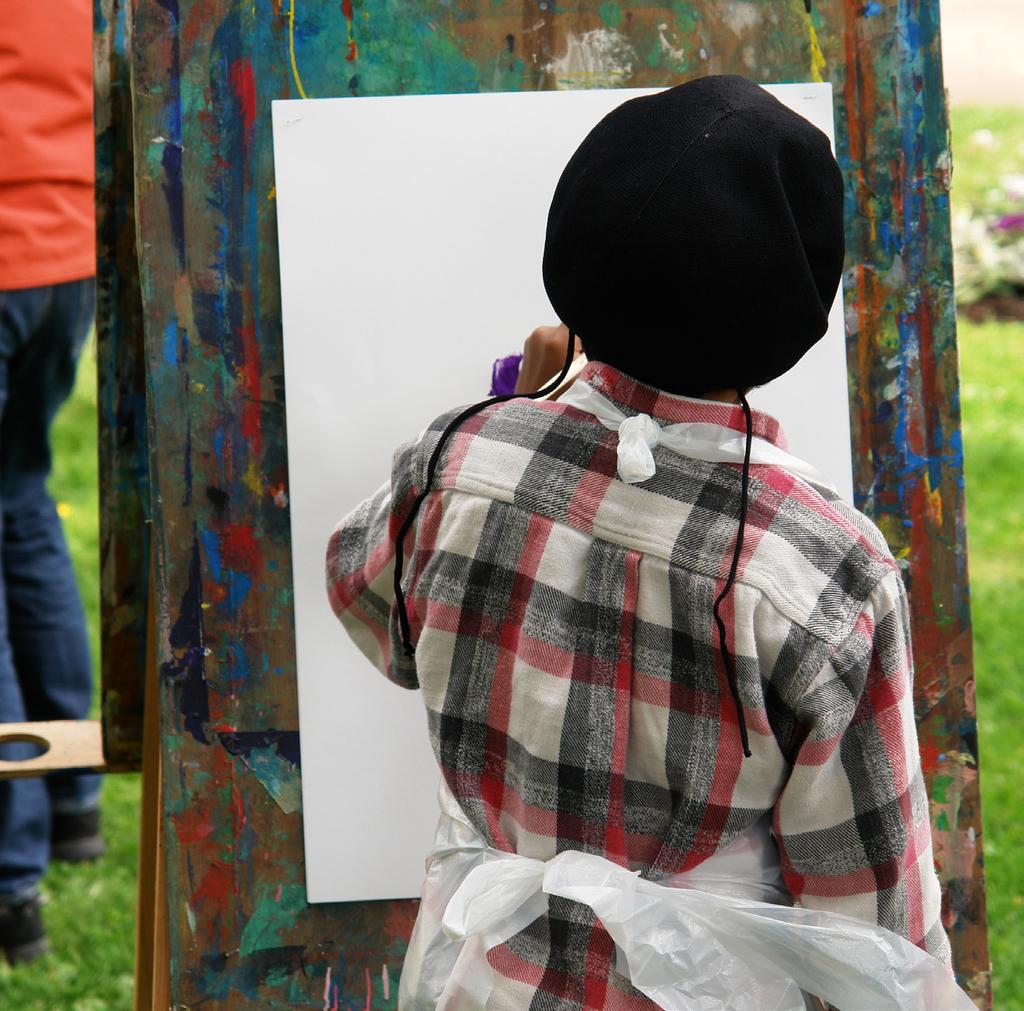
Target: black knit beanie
(695, 239)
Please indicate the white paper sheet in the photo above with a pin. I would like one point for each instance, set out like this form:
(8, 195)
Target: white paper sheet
(410, 233)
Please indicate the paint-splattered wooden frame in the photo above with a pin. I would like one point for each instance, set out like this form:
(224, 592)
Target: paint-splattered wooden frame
(121, 395)
(204, 74)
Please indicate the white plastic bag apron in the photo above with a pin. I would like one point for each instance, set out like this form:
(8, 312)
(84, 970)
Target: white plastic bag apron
(706, 940)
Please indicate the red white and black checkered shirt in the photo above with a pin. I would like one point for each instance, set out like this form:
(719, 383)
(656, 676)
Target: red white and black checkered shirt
(576, 693)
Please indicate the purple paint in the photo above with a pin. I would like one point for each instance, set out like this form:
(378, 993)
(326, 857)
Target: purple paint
(504, 375)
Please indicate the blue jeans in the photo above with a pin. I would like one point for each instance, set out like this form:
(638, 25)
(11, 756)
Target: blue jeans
(45, 666)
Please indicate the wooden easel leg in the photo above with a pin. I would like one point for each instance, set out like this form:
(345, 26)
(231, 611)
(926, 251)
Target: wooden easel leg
(152, 956)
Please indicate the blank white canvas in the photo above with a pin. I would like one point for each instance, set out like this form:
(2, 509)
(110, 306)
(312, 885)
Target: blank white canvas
(410, 232)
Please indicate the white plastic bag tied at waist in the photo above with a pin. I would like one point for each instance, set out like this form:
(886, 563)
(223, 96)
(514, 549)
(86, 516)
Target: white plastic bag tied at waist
(639, 434)
(706, 940)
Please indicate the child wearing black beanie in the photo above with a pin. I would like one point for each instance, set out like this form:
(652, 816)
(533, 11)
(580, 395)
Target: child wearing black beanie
(666, 669)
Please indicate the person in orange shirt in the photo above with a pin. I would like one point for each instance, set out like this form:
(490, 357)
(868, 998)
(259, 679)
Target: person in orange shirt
(47, 302)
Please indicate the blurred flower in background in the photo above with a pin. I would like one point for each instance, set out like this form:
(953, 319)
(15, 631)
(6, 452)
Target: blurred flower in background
(983, 67)
(988, 236)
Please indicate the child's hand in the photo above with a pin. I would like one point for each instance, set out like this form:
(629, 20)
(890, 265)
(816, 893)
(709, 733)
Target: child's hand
(543, 357)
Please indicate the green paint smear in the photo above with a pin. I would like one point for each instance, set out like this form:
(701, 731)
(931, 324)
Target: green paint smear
(686, 16)
(295, 993)
(611, 13)
(942, 822)
(654, 54)
(273, 919)
(939, 787)
(402, 51)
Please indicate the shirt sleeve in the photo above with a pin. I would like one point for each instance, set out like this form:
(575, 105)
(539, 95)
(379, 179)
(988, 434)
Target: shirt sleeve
(852, 821)
(361, 569)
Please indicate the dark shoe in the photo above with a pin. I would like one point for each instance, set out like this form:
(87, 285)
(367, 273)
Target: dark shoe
(22, 934)
(76, 837)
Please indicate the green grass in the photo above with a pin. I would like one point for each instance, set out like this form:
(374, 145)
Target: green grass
(992, 368)
(992, 388)
(979, 166)
(91, 912)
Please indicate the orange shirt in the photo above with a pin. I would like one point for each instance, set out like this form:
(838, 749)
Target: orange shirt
(47, 150)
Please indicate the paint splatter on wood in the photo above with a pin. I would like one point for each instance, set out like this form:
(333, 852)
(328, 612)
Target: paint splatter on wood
(121, 401)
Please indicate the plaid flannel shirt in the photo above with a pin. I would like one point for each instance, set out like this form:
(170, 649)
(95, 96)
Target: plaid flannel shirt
(575, 691)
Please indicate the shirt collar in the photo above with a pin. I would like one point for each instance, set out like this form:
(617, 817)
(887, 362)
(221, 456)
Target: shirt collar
(671, 408)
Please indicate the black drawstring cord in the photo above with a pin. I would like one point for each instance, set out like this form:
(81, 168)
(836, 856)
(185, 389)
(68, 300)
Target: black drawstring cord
(730, 667)
(403, 613)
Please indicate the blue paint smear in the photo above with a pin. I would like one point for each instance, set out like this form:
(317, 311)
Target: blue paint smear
(872, 9)
(238, 662)
(968, 728)
(211, 543)
(171, 343)
(243, 742)
(913, 28)
(937, 459)
(955, 442)
(239, 586)
(186, 669)
(173, 194)
(885, 231)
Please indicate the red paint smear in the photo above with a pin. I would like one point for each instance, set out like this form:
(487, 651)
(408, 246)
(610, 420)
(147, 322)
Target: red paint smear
(353, 51)
(239, 549)
(244, 86)
(217, 885)
(250, 382)
(193, 825)
(929, 756)
(192, 37)
(399, 918)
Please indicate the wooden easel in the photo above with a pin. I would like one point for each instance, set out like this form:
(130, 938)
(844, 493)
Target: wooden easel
(193, 82)
(152, 957)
